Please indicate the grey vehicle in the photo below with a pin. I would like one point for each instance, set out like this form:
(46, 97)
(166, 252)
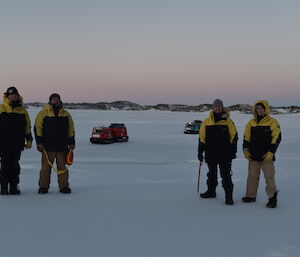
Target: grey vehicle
(192, 127)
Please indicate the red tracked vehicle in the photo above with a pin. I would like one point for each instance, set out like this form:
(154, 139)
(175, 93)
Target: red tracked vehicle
(116, 132)
(119, 132)
(102, 135)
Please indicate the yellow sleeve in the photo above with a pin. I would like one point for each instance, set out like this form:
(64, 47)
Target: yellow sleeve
(38, 125)
(71, 126)
(202, 132)
(247, 133)
(275, 130)
(232, 132)
(28, 126)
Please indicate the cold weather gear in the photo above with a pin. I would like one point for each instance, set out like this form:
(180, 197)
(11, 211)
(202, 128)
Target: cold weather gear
(11, 91)
(55, 132)
(262, 136)
(58, 171)
(200, 155)
(229, 201)
(272, 203)
(228, 197)
(40, 147)
(208, 194)
(218, 139)
(14, 190)
(66, 190)
(260, 104)
(54, 95)
(247, 199)
(268, 157)
(253, 178)
(4, 189)
(10, 168)
(212, 177)
(29, 144)
(14, 129)
(218, 102)
(247, 154)
(44, 181)
(14, 125)
(212, 180)
(43, 190)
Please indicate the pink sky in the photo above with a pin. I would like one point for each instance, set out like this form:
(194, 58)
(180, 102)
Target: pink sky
(152, 52)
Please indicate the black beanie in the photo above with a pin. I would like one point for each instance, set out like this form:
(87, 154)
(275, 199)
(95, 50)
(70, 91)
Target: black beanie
(53, 95)
(11, 91)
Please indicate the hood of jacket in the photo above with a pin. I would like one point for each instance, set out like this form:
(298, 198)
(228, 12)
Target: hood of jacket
(6, 102)
(265, 103)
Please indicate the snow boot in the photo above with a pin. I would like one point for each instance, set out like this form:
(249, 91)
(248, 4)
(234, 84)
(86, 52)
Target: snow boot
(228, 198)
(247, 199)
(208, 194)
(228, 194)
(272, 201)
(66, 190)
(4, 189)
(229, 201)
(14, 190)
(43, 190)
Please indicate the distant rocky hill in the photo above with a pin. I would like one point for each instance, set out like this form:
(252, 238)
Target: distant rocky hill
(126, 105)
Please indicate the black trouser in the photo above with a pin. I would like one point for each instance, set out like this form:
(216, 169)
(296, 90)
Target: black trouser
(10, 168)
(212, 175)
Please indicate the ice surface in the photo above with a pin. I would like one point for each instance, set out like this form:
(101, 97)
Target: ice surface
(139, 198)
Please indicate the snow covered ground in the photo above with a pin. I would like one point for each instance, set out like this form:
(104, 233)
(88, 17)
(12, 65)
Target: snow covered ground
(139, 198)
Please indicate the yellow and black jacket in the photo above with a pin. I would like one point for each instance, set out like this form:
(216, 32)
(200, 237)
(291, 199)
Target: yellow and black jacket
(262, 136)
(15, 125)
(54, 131)
(218, 139)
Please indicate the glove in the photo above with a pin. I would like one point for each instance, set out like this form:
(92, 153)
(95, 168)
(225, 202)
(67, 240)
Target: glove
(72, 147)
(268, 157)
(247, 154)
(200, 157)
(29, 144)
(233, 156)
(40, 147)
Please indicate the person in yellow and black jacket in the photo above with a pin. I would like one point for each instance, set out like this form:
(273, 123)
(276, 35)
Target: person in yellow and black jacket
(54, 133)
(15, 127)
(218, 140)
(261, 139)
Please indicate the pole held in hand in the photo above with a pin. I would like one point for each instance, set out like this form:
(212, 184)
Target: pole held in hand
(199, 170)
